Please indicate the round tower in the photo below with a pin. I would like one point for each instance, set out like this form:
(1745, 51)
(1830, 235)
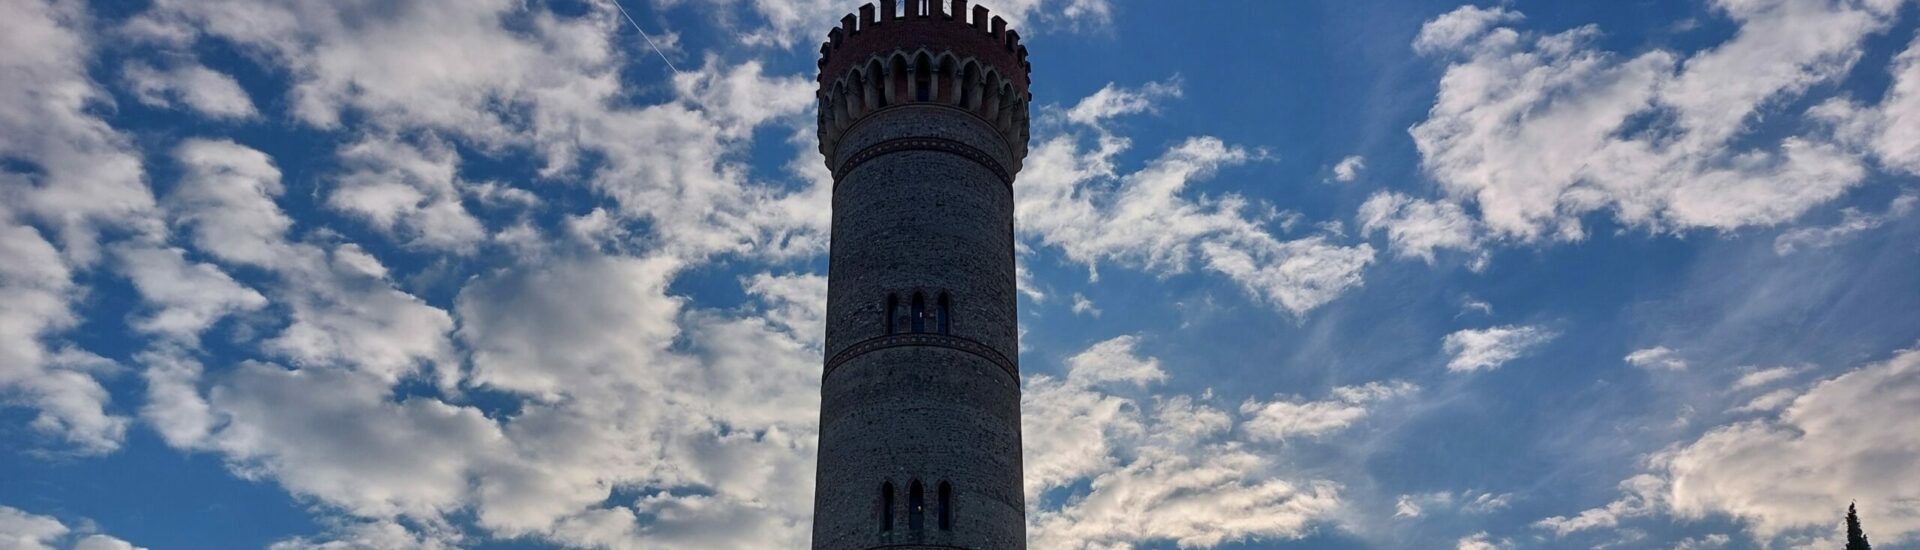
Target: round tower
(923, 122)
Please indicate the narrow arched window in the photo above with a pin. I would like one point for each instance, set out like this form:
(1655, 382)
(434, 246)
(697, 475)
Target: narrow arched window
(916, 506)
(946, 506)
(886, 506)
(946, 314)
(919, 312)
(893, 311)
(923, 79)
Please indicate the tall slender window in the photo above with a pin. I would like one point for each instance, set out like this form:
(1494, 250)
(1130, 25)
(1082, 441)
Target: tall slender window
(923, 79)
(946, 506)
(916, 506)
(893, 313)
(886, 506)
(919, 312)
(946, 314)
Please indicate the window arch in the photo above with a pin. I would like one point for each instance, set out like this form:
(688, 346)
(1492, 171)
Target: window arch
(893, 313)
(946, 506)
(919, 312)
(886, 506)
(946, 314)
(922, 78)
(916, 506)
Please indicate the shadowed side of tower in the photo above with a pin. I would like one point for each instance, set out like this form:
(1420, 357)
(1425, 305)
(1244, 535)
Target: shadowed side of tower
(923, 121)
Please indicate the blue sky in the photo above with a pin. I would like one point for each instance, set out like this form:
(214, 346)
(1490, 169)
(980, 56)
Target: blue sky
(491, 274)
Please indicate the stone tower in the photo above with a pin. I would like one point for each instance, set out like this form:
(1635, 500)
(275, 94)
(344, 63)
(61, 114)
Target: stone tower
(923, 121)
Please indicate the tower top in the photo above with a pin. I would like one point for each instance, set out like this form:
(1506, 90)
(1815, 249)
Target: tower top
(877, 32)
(882, 58)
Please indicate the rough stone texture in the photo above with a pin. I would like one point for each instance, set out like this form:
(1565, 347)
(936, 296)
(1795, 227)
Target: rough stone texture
(930, 220)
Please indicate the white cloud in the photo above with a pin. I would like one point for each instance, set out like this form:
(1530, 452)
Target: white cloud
(1417, 228)
(1277, 420)
(342, 309)
(409, 190)
(1657, 357)
(1145, 219)
(208, 92)
(1349, 168)
(1842, 440)
(1538, 131)
(1488, 348)
(785, 23)
(1852, 222)
(1790, 475)
(186, 297)
(1164, 471)
(20, 530)
(1468, 502)
(1642, 496)
(1460, 28)
(515, 78)
(1479, 541)
(1113, 101)
(1754, 378)
(1084, 306)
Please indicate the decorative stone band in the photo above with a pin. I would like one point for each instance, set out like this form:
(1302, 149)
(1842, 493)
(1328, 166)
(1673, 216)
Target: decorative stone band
(943, 145)
(923, 340)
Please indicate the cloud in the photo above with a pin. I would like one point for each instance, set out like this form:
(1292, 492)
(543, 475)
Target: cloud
(20, 530)
(1852, 222)
(208, 92)
(1540, 130)
(1488, 348)
(1480, 541)
(1468, 502)
(1657, 357)
(1168, 470)
(409, 190)
(1754, 378)
(514, 78)
(1417, 228)
(67, 177)
(1114, 101)
(1277, 420)
(1349, 168)
(1791, 474)
(1084, 306)
(186, 297)
(1145, 220)
(1642, 496)
(1885, 130)
(1840, 441)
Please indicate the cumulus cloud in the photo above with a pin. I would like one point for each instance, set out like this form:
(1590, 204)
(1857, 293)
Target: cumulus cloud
(1417, 228)
(1349, 168)
(410, 191)
(68, 177)
(1277, 420)
(186, 296)
(1790, 474)
(208, 92)
(1074, 198)
(1538, 130)
(1488, 348)
(1165, 470)
(514, 77)
(21, 530)
(1656, 358)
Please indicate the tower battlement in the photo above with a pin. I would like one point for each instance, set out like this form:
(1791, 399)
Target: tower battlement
(930, 53)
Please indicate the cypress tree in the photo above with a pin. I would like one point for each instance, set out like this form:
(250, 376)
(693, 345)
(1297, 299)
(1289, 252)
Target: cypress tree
(1856, 538)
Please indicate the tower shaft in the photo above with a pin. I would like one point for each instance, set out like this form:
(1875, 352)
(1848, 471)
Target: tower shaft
(923, 121)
